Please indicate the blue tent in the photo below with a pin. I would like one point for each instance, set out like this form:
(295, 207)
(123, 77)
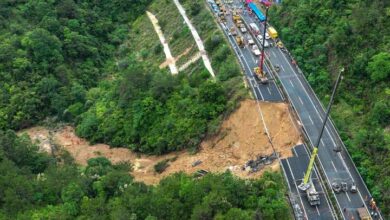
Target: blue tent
(257, 12)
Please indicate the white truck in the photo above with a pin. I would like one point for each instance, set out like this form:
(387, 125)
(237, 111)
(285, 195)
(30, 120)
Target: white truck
(254, 28)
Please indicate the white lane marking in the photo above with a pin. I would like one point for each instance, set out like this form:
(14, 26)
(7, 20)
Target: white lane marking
(318, 211)
(285, 174)
(291, 83)
(311, 120)
(281, 66)
(295, 184)
(269, 90)
(247, 65)
(273, 53)
(300, 100)
(334, 167)
(346, 193)
(322, 142)
(327, 178)
(295, 152)
(283, 55)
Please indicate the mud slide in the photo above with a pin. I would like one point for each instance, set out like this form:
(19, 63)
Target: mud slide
(241, 138)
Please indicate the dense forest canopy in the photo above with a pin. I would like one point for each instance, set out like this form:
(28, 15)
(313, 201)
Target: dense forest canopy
(326, 35)
(51, 52)
(62, 59)
(35, 185)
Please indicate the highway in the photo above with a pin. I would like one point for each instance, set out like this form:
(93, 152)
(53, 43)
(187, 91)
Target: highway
(264, 92)
(338, 166)
(294, 169)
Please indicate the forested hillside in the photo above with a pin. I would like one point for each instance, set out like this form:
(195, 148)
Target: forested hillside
(52, 52)
(326, 35)
(83, 62)
(37, 186)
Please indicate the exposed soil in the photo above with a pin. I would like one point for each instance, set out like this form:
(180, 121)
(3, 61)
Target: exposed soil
(240, 139)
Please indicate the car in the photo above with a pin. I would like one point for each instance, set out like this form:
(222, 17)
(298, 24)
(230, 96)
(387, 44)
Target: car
(277, 68)
(336, 187)
(250, 41)
(344, 186)
(260, 38)
(255, 50)
(353, 187)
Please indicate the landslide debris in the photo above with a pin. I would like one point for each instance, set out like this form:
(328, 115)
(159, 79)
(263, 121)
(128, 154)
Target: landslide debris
(241, 138)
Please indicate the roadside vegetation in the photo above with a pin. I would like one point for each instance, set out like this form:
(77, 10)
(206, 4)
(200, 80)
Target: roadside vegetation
(91, 65)
(326, 35)
(149, 110)
(35, 185)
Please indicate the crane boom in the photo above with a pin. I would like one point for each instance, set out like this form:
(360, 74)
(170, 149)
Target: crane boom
(310, 167)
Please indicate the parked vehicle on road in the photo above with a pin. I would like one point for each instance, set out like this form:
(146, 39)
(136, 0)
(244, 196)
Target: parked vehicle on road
(255, 50)
(254, 28)
(353, 187)
(344, 186)
(272, 32)
(336, 187)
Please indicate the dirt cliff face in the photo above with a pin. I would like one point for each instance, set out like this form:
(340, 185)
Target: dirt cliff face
(242, 137)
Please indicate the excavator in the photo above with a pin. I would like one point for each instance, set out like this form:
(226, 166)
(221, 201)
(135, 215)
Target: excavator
(307, 184)
(260, 75)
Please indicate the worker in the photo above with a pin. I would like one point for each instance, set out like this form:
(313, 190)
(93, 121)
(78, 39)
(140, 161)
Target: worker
(345, 209)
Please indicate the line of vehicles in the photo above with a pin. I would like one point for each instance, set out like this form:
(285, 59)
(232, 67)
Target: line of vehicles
(243, 33)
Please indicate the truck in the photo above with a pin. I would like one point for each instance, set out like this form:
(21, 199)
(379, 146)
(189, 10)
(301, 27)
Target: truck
(240, 41)
(233, 31)
(260, 75)
(313, 196)
(254, 28)
(272, 32)
(363, 213)
(255, 50)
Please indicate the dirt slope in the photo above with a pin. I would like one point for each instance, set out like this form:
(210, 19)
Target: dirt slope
(241, 138)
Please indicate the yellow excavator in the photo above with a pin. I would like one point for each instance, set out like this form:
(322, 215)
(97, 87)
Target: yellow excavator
(307, 184)
(260, 75)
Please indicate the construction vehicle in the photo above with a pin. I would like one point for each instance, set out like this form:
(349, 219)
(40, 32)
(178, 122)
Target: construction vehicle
(233, 31)
(363, 214)
(307, 185)
(236, 18)
(260, 75)
(222, 17)
(272, 32)
(240, 41)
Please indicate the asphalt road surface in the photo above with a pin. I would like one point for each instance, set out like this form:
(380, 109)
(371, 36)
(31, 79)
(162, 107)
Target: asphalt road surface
(294, 169)
(338, 166)
(264, 92)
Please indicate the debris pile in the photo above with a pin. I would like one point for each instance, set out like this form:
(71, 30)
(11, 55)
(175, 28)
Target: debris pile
(260, 161)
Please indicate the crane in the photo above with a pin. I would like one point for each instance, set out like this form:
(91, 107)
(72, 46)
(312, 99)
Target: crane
(307, 184)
